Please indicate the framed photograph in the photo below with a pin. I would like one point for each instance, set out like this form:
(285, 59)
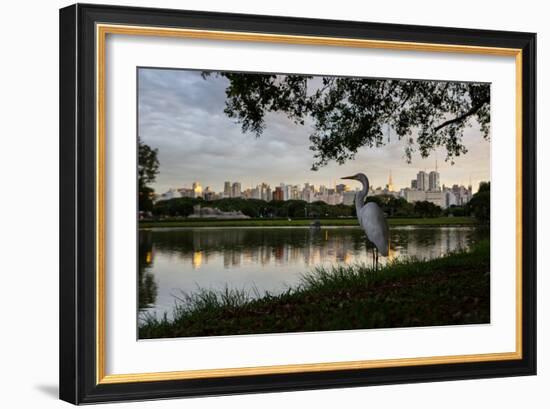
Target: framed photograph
(257, 203)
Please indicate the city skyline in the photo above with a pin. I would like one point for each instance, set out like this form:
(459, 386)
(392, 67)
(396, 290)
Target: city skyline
(197, 141)
(425, 187)
(429, 184)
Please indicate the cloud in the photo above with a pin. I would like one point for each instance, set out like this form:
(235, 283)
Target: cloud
(181, 114)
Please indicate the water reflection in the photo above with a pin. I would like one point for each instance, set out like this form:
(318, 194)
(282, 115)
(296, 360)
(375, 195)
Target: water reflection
(146, 282)
(267, 259)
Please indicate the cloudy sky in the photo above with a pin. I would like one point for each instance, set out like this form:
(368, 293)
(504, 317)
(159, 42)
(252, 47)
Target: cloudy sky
(181, 114)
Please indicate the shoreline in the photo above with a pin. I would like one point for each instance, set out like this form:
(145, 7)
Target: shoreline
(344, 222)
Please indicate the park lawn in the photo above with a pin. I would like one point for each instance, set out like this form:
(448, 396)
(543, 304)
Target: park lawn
(436, 221)
(450, 290)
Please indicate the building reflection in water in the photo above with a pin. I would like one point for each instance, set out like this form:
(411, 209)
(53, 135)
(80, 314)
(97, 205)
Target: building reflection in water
(197, 259)
(147, 286)
(287, 246)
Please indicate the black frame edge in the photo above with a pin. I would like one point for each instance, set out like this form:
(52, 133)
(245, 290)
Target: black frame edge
(68, 390)
(529, 205)
(77, 205)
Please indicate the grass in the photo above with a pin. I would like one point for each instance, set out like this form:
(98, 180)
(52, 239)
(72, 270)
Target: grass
(436, 221)
(450, 290)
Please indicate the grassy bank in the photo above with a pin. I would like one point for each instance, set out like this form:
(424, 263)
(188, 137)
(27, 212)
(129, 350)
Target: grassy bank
(450, 290)
(436, 221)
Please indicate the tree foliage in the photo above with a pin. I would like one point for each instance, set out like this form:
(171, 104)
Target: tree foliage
(148, 163)
(427, 209)
(480, 204)
(457, 211)
(393, 206)
(350, 113)
(148, 168)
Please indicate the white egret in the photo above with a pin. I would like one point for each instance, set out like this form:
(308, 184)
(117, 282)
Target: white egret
(372, 219)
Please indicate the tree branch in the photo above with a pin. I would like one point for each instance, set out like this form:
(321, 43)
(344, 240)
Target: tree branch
(460, 118)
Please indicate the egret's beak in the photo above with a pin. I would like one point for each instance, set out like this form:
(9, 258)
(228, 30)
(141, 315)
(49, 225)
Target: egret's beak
(348, 177)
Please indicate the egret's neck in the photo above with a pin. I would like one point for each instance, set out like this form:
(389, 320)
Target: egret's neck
(361, 196)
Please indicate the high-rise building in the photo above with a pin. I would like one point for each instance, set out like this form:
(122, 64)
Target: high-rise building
(236, 189)
(308, 194)
(462, 194)
(255, 193)
(414, 184)
(433, 181)
(208, 194)
(438, 198)
(422, 181)
(278, 193)
(417, 195)
(265, 192)
(450, 198)
(287, 191)
(341, 188)
(186, 192)
(227, 189)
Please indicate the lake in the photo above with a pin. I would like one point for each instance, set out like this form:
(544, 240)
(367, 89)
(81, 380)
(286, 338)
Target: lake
(260, 259)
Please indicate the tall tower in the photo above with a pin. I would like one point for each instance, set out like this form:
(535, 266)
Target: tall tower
(227, 189)
(433, 180)
(422, 180)
(236, 189)
(390, 183)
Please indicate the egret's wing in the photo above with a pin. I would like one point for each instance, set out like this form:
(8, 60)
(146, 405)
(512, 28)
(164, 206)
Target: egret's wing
(375, 225)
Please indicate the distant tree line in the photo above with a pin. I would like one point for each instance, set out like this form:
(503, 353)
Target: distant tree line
(399, 207)
(479, 207)
(183, 207)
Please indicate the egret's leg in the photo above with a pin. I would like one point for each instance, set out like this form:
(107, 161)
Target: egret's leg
(367, 250)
